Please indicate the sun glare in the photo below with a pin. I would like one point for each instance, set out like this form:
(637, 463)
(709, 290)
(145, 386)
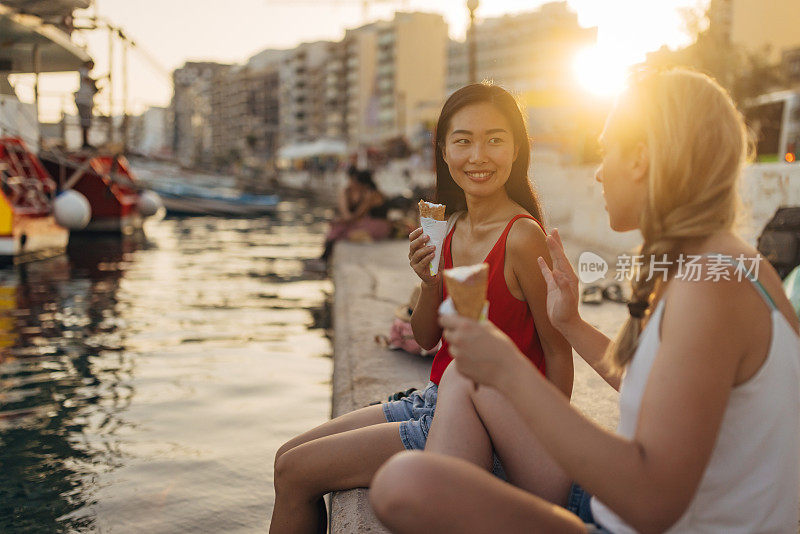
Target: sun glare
(599, 71)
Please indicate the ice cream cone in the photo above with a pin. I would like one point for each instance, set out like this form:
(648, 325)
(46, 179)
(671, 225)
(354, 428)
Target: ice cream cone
(431, 218)
(467, 287)
(431, 211)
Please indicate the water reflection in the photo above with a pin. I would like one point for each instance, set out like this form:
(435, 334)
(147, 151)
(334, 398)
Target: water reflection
(53, 322)
(144, 385)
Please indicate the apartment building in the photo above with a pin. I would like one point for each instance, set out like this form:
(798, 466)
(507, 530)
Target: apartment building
(350, 85)
(302, 93)
(245, 111)
(227, 109)
(190, 110)
(410, 77)
(525, 52)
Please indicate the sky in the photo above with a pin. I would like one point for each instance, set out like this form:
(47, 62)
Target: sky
(169, 32)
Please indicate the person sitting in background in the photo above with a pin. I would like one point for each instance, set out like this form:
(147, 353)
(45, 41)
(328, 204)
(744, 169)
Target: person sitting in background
(362, 212)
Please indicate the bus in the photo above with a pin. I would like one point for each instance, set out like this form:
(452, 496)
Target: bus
(774, 118)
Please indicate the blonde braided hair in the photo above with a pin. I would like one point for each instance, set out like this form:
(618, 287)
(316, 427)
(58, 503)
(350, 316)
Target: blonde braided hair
(697, 145)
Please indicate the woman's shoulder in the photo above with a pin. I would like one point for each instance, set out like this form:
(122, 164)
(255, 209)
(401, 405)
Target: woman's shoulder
(720, 295)
(525, 235)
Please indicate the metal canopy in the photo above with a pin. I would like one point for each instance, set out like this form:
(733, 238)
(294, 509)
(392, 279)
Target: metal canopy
(48, 8)
(19, 34)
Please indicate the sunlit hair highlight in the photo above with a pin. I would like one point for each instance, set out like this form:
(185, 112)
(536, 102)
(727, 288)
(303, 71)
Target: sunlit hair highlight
(697, 145)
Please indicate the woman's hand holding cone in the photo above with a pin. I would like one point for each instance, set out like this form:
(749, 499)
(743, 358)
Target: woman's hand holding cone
(482, 352)
(420, 255)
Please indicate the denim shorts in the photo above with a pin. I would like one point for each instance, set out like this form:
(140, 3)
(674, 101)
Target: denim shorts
(578, 503)
(415, 415)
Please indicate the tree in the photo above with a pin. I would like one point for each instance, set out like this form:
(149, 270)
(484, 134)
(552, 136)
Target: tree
(745, 73)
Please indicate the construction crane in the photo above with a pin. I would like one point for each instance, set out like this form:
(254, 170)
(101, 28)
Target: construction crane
(364, 4)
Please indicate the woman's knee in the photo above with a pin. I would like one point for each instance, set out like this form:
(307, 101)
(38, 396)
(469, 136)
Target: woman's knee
(401, 486)
(283, 449)
(452, 379)
(288, 467)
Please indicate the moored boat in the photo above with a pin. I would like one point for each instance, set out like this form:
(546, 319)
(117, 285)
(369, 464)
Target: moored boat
(118, 202)
(28, 224)
(185, 199)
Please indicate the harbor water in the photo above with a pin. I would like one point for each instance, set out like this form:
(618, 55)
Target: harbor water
(146, 385)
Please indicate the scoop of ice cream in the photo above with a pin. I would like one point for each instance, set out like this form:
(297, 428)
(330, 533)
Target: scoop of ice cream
(463, 273)
(431, 210)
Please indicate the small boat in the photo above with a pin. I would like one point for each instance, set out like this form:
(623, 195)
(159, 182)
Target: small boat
(33, 221)
(118, 202)
(186, 199)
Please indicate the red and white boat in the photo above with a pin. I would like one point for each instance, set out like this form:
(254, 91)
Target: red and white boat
(28, 226)
(118, 202)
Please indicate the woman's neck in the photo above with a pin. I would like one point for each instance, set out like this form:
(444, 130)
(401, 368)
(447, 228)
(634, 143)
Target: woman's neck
(486, 210)
(715, 243)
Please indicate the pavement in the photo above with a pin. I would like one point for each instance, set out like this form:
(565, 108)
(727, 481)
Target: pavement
(371, 281)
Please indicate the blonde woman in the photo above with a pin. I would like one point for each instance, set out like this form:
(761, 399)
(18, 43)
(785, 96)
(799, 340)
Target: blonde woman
(708, 367)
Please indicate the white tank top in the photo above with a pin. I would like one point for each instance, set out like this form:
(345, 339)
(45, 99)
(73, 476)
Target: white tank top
(751, 483)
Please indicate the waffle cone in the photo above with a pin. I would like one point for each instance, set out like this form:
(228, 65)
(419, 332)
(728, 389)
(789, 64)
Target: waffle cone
(432, 211)
(468, 295)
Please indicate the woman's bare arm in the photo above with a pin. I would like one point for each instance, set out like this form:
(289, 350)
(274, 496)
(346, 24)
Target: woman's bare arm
(424, 322)
(648, 480)
(562, 309)
(526, 243)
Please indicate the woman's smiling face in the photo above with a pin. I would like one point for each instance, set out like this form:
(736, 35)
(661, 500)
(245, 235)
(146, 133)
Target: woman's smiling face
(480, 149)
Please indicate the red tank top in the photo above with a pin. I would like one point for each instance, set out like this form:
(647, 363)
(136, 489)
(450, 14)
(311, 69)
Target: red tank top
(509, 314)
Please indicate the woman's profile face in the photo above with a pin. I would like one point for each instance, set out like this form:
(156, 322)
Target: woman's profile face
(479, 149)
(623, 175)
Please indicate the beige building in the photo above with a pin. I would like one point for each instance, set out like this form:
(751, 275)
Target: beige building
(302, 103)
(350, 83)
(383, 80)
(757, 24)
(411, 67)
(525, 52)
(244, 111)
(190, 111)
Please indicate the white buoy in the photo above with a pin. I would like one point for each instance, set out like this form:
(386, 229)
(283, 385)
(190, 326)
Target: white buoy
(149, 203)
(71, 210)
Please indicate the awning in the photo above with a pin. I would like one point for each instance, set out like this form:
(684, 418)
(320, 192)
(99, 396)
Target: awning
(18, 35)
(320, 147)
(48, 8)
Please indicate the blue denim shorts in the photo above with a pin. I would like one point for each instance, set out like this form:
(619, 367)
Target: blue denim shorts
(578, 503)
(415, 415)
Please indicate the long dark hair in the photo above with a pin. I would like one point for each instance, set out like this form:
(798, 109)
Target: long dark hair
(518, 186)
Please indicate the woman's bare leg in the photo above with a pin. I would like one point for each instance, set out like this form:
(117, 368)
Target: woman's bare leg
(455, 432)
(451, 495)
(340, 461)
(457, 429)
(367, 416)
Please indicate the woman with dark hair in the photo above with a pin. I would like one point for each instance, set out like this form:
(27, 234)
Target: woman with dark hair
(518, 185)
(362, 212)
(482, 154)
